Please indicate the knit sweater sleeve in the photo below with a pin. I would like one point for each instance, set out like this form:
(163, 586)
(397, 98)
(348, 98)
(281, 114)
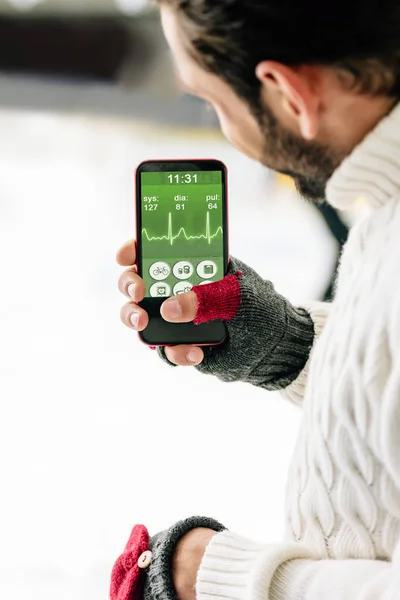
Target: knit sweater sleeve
(319, 312)
(235, 568)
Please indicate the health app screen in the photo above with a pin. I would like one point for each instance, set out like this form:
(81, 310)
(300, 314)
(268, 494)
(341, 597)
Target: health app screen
(182, 231)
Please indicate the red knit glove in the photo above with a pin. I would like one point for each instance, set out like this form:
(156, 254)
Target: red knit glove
(219, 300)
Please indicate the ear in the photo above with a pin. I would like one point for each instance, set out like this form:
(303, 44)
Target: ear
(297, 96)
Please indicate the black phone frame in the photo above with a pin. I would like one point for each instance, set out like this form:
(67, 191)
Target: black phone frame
(159, 332)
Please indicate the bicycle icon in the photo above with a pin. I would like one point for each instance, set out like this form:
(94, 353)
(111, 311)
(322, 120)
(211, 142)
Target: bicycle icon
(160, 271)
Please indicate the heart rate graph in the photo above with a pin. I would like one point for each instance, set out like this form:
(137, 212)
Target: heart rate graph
(171, 238)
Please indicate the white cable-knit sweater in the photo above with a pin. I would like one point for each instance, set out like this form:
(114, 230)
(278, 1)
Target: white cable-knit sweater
(343, 499)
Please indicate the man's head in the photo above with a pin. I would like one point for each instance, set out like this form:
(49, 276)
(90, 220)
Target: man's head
(296, 84)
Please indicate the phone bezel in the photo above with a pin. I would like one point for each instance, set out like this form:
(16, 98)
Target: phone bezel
(183, 333)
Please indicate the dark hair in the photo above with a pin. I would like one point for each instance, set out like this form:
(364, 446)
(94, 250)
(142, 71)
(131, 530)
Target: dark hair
(359, 38)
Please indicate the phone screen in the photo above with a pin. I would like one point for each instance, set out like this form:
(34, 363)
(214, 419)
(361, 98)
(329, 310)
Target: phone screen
(182, 230)
(182, 240)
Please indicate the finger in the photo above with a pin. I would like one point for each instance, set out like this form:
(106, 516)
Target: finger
(126, 256)
(134, 317)
(131, 285)
(180, 309)
(184, 356)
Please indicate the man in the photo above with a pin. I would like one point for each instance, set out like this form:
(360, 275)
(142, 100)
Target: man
(310, 89)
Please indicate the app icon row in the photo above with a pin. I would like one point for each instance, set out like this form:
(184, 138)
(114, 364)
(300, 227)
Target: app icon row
(163, 290)
(159, 271)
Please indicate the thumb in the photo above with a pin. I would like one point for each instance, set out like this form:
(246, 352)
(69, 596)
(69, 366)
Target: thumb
(180, 309)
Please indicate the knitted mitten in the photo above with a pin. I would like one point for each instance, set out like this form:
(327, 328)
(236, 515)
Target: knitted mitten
(268, 340)
(144, 570)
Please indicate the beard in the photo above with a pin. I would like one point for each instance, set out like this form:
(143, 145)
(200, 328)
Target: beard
(311, 164)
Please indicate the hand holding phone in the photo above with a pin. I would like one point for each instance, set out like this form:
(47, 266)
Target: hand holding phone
(268, 341)
(182, 245)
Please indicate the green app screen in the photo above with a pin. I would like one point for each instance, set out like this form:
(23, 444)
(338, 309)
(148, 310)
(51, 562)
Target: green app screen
(182, 231)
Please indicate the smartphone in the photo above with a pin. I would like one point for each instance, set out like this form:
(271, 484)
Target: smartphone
(182, 241)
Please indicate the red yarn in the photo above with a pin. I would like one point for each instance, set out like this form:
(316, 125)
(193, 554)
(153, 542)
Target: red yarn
(219, 300)
(126, 580)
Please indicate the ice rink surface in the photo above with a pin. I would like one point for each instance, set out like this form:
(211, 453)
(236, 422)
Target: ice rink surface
(96, 434)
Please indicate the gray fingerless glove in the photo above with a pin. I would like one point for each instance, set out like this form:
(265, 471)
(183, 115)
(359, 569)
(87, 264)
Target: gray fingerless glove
(268, 341)
(144, 570)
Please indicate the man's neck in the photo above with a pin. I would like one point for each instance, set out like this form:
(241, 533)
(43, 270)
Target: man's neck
(372, 170)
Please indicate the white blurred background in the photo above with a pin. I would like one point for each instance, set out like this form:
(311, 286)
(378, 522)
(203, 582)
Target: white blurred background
(96, 434)
(64, 7)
